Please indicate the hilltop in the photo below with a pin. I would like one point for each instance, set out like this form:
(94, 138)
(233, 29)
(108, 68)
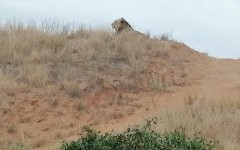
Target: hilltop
(55, 81)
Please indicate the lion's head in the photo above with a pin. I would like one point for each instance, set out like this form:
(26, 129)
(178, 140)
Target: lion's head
(121, 24)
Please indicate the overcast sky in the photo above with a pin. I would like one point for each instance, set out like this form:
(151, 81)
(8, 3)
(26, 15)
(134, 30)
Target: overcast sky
(211, 26)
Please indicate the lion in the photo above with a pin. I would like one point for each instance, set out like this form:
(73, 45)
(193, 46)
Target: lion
(121, 25)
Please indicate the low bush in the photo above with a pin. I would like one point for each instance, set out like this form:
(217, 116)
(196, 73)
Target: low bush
(138, 139)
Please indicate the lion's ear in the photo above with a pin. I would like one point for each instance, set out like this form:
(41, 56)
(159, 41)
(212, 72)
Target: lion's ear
(123, 19)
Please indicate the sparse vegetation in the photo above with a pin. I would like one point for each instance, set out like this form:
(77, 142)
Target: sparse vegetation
(165, 36)
(79, 105)
(73, 89)
(16, 146)
(12, 129)
(53, 102)
(207, 118)
(205, 53)
(157, 85)
(39, 143)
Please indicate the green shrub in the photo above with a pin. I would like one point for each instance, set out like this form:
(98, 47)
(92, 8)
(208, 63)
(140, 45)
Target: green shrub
(138, 139)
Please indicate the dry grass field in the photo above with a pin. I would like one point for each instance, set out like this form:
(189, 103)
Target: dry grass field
(56, 78)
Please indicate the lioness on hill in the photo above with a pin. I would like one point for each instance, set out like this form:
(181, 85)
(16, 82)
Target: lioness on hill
(121, 25)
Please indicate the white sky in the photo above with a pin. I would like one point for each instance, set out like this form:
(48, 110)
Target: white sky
(211, 26)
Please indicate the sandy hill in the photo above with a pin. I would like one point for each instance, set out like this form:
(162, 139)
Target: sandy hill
(54, 82)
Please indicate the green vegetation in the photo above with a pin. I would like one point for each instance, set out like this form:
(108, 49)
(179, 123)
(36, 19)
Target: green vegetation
(138, 139)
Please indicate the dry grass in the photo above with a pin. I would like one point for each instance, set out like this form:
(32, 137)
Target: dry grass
(39, 142)
(157, 85)
(79, 105)
(7, 83)
(212, 118)
(37, 57)
(15, 146)
(12, 129)
(73, 89)
(33, 56)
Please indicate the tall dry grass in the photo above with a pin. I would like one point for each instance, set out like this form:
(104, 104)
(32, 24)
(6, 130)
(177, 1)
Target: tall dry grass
(52, 53)
(214, 118)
